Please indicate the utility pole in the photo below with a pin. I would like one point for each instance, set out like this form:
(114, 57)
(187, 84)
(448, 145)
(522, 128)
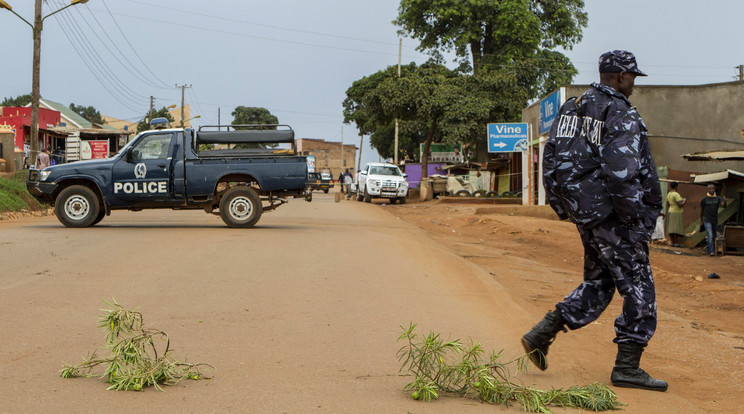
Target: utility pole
(36, 28)
(35, 88)
(183, 92)
(361, 143)
(219, 128)
(395, 156)
(343, 160)
(152, 102)
(741, 72)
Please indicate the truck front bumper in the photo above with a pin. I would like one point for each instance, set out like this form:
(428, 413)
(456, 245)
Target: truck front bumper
(42, 191)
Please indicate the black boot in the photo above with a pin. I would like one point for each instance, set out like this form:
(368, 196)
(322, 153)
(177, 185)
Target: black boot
(627, 372)
(539, 338)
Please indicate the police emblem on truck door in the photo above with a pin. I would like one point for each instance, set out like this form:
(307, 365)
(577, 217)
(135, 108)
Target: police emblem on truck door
(140, 170)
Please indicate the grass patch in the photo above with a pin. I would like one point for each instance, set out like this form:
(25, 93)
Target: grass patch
(13, 193)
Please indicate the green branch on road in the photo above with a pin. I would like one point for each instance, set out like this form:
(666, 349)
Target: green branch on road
(139, 357)
(450, 367)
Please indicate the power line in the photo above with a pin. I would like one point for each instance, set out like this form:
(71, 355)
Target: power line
(193, 27)
(165, 85)
(126, 64)
(265, 25)
(97, 61)
(95, 75)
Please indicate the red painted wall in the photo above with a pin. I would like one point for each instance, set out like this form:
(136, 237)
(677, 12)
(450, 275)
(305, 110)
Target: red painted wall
(20, 119)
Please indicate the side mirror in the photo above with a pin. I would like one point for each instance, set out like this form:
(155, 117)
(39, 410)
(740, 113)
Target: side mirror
(405, 175)
(363, 173)
(128, 156)
(133, 155)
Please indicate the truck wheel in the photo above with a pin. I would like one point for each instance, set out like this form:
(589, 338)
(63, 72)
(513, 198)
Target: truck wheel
(367, 197)
(240, 207)
(325, 191)
(402, 200)
(359, 196)
(77, 206)
(101, 215)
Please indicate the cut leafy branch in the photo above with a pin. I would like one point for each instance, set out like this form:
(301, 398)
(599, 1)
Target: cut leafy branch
(444, 366)
(138, 357)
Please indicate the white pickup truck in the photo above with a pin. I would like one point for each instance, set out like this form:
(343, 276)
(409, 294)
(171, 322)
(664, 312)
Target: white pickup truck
(381, 180)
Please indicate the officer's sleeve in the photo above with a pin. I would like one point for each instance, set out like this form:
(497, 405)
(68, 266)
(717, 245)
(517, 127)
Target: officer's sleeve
(621, 163)
(549, 176)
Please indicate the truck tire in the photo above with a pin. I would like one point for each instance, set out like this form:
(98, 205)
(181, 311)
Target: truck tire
(367, 197)
(479, 193)
(240, 207)
(77, 206)
(359, 196)
(402, 200)
(325, 190)
(101, 215)
(463, 193)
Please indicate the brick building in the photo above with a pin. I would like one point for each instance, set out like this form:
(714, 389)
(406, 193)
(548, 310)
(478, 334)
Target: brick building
(328, 154)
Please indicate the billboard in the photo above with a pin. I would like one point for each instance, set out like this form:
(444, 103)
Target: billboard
(451, 153)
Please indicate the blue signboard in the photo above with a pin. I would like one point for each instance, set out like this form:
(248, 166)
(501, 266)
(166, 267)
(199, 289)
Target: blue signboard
(507, 137)
(548, 110)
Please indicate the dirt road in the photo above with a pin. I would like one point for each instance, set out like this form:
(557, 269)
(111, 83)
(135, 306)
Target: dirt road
(301, 313)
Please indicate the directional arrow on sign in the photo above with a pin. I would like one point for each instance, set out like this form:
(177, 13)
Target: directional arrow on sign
(500, 144)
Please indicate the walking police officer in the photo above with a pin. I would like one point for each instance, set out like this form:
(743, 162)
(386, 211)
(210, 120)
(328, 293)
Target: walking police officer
(604, 179)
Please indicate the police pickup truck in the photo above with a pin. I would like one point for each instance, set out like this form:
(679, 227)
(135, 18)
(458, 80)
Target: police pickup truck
(241, 173)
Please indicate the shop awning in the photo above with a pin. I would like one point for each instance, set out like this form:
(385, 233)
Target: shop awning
(717, 176)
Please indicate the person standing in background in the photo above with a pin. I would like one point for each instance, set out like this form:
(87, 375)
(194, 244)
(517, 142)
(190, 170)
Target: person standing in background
(675, 224)
(709, 216)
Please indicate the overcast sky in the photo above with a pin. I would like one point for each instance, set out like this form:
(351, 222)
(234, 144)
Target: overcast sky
(297, 58)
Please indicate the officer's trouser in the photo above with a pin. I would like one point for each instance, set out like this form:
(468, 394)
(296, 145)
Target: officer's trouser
(614, 257)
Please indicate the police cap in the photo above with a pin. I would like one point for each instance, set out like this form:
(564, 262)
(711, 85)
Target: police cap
(617, 61)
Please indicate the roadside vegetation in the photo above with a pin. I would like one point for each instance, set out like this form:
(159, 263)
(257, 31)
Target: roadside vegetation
(13, 194)
(444, 366)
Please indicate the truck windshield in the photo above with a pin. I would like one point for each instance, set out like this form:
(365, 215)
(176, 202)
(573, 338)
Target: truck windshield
(379, 170)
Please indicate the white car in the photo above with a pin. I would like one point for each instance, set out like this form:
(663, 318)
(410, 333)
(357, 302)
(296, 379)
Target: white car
(381, 180)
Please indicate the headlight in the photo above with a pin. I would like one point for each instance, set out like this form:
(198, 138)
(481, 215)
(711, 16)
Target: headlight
(43, 175)
(404, 183)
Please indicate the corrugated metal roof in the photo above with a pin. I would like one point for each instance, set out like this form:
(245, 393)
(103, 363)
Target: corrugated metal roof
(717, 176)
(725, 155)
(67, 113)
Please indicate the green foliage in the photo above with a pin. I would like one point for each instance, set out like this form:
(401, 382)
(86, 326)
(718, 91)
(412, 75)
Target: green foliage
(13, 193)
(144, 125)
(22, 100)
(139, 357)
(433, 104)
(244, 115)
(88, 112)
(518, 35)
(440, 365)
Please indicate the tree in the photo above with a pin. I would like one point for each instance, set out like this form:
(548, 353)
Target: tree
(144, 125)
(245, 115)
(433, 103)
(517, 35)
(22, 100)
(88, 112)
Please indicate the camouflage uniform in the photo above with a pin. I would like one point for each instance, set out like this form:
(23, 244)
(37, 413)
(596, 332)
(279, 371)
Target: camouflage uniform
(608, 185)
